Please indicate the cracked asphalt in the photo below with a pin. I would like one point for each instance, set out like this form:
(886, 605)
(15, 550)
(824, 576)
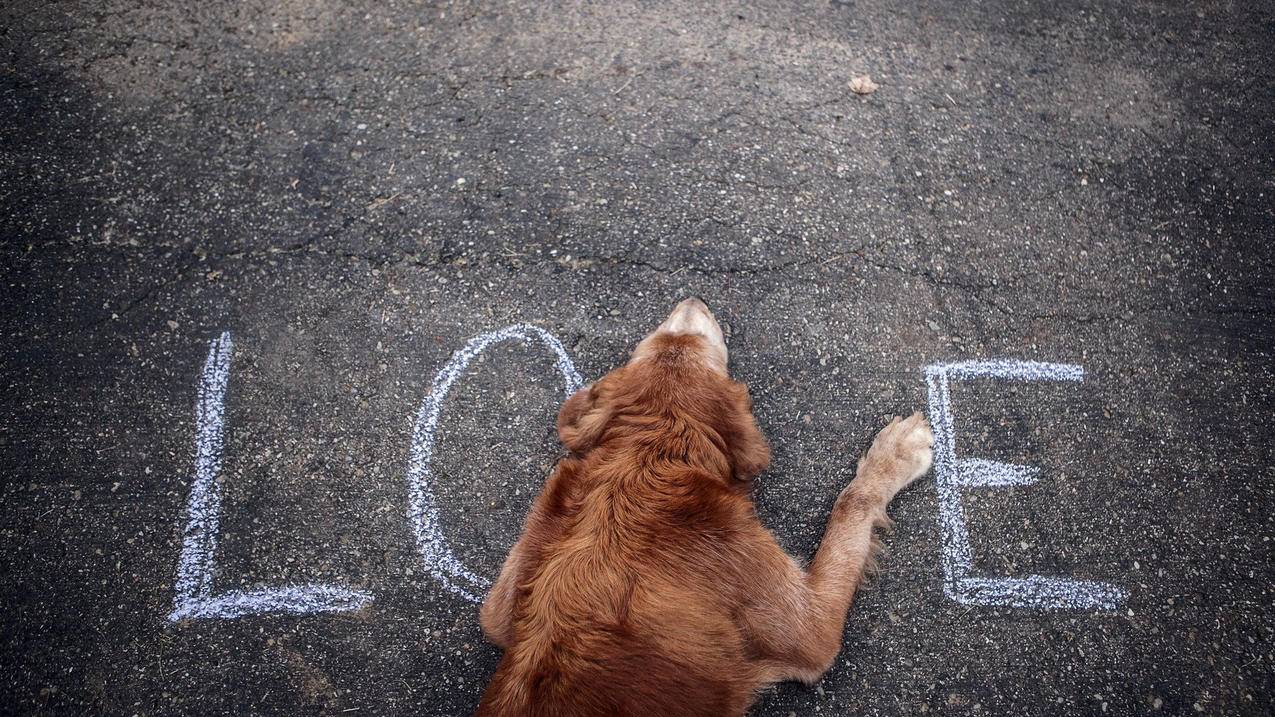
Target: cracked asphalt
(355, 189)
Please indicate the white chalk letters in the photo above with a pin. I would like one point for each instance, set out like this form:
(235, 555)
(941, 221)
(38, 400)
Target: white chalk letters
(953, 474)
(195, 599)
(194, 588)
(194, 596)
(422, 511)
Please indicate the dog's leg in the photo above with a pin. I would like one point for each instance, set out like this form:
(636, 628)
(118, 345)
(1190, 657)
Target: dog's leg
(800, 621)
(497, 612)
(496, 616)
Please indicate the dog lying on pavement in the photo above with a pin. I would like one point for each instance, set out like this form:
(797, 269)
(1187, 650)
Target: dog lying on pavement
(643, 582)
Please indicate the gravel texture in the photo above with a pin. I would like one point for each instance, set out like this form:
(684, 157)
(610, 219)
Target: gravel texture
(355, 189)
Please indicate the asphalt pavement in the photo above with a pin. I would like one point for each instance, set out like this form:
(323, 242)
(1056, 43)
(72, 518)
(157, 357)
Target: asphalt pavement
(242, 241)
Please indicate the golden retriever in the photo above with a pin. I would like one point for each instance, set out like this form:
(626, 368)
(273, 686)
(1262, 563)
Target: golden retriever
(643, 582)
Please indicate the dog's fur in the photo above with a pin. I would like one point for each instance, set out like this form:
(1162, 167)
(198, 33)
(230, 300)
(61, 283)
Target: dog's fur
(643, 583)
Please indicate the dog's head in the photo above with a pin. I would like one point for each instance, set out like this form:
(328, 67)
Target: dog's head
(675, 386)
(690, 334)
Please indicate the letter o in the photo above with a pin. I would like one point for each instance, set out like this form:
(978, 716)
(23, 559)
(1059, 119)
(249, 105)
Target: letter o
(422, 508)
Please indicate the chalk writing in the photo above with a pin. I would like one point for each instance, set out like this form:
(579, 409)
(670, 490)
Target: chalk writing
(953, 474)
(194, 595)
(422, 510)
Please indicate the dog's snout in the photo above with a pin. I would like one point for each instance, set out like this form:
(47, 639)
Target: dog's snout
(694, 301)
(691, 316)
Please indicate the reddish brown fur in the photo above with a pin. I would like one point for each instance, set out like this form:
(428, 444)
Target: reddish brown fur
(643, 582)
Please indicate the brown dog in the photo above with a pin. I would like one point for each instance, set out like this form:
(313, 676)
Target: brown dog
(643, 583)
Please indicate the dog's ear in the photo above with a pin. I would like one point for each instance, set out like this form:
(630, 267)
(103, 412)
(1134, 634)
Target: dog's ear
(748, 450)
(583, 417)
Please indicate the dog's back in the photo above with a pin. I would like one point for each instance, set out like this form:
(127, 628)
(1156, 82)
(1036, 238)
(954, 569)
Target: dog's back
(626, 607)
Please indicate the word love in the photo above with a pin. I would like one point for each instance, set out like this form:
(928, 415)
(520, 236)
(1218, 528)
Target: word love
(196, 598)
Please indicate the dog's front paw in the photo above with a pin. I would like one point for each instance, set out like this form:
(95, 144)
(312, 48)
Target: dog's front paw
(902, 452)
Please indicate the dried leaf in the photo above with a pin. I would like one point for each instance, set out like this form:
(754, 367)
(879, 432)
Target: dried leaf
(863, 85)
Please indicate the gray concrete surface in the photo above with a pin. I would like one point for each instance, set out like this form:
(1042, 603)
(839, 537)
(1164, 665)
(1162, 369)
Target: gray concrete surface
(355, 189)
